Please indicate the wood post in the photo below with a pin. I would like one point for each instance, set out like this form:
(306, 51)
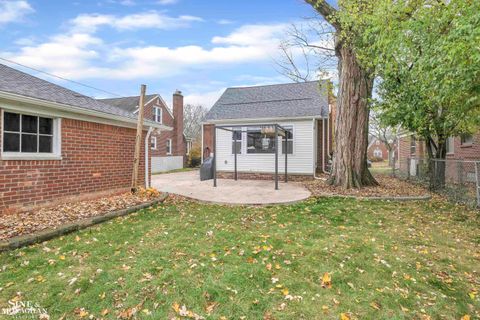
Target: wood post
(138, 138)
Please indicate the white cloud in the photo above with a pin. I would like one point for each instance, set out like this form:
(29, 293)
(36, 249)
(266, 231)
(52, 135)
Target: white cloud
(80, 55)
(206, 99)
(145, 20)
(13, 11)
(225, 21)
(165, 2)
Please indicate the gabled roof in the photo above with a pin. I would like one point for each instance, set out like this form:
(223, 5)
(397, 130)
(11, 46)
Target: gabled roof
(128, 104)
(290, 100)
(17, 82)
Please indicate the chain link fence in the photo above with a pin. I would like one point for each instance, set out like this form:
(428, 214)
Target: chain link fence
(459, 180)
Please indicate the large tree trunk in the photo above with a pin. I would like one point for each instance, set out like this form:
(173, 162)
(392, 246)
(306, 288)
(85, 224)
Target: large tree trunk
(351, 130)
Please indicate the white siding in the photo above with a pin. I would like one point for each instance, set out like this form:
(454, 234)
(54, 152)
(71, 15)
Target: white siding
(300, 162)
(163, 164)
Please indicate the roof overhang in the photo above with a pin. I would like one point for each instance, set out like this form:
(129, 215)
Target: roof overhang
(261, 120)
(24, 103)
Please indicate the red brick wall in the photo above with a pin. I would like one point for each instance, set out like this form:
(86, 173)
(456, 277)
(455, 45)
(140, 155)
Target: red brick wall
(207, 140)
(178, 149)
(466, 152)
(376, 146)
(95, 158)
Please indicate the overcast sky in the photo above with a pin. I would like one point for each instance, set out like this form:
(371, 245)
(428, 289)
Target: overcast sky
(197, 46)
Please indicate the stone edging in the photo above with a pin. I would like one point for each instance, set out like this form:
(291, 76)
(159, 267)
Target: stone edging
(386, 198)
(47, 234)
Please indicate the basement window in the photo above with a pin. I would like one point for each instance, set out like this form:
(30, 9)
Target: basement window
(26, 136)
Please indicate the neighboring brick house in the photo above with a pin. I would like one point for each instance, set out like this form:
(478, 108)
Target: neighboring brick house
(169, 148)
(377, 150)
(466, 147)
(304, 109)
(57, 144)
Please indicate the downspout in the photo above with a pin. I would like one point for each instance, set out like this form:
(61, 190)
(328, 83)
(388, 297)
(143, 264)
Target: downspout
(202, 150)
(328, 137)
(147, 147)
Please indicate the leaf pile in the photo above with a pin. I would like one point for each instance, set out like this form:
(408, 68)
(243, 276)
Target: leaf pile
(388, 187)
(22, 223)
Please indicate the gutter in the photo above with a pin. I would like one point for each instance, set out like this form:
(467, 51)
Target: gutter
(74, 109)
(253, 120)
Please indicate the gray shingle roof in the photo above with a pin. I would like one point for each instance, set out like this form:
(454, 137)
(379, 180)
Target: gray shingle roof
(17, 82)
(290, 100)
(127, 103)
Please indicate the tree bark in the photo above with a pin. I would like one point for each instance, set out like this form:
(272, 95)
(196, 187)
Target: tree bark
(351, 129)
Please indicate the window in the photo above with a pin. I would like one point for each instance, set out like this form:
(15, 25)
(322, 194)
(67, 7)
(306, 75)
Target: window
(413, 146)
(450, 145)
(169, 146)
(261, 140)
(466, 139)
(189, 147)
(237, 141)
(28, 134)
(157, 115)
(377, 153)
(153, 143)
(289, 136)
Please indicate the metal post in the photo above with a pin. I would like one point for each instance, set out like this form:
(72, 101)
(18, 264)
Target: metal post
(286, 153)
(276, 157)
(214, 155)
(235, 152)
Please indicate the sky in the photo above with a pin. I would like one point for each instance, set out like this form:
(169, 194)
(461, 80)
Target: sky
(199, 47)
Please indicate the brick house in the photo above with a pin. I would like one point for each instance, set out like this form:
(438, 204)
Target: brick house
(377, 150)
(466, 147)
(169, 149)
(305, 110)
(57, 144)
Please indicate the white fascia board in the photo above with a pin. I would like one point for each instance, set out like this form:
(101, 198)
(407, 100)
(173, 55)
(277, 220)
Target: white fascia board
(260, 120)
(16, 102)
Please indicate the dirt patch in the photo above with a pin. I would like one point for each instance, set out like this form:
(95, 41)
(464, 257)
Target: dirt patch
(389, 187)
(13, 225)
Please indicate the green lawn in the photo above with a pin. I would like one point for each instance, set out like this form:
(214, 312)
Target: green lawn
(386, 261)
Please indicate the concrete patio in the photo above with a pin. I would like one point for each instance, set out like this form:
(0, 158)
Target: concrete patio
(241, 192)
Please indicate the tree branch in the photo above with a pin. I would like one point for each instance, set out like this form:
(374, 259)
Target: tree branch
(326, 10)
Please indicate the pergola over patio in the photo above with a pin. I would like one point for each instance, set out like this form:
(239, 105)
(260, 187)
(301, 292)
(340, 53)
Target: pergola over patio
(275, 127)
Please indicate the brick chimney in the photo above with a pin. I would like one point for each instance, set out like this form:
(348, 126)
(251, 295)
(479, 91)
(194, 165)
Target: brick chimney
(178, 145)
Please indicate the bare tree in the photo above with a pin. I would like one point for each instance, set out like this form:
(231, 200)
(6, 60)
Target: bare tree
(192, 117)
(383, 133)
(307, 52)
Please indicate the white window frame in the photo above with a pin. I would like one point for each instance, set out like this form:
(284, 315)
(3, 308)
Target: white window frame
(56, 140)
(169, 147)
(378, 153)
(158, 114)
(241, 140)
(288, 126)
(189, 146)
(153, 140)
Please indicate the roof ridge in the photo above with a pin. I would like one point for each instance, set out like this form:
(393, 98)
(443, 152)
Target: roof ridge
(263, 101)
(137, 96)
(276, 85)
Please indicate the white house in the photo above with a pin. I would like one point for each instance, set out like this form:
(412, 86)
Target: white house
(302, 109)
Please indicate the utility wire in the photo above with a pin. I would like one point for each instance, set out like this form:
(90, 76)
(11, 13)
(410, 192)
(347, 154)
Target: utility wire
(59, 77)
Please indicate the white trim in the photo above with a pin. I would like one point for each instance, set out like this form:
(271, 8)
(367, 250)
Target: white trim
(56, 153)
(169, 147)
(153, 139)
(166, 106)
(260, 120)
(67, 111)
(158, 117)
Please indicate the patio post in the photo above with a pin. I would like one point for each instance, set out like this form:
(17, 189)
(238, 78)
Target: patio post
(214, 155)
(286, 153)
(235, 152)
(276, 157)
